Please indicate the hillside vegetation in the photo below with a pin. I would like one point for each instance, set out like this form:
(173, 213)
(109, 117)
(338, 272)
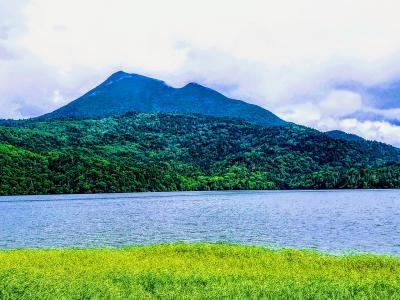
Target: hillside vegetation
(166, 152)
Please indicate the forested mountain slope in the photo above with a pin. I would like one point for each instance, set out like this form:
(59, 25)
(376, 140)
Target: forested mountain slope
(165, 152)
(341, 135)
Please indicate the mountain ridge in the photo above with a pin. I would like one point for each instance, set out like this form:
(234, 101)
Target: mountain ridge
(136, 133)
(341, 135)
(125, 92)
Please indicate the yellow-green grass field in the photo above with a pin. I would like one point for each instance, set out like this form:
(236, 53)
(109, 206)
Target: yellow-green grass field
(195, 271)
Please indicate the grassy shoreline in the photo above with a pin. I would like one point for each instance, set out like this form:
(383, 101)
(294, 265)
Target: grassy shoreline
(195, 271)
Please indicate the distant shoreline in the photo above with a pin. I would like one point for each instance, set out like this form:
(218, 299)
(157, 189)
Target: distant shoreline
(141, 194)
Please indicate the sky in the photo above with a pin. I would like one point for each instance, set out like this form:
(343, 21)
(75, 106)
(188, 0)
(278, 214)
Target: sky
(324, 64)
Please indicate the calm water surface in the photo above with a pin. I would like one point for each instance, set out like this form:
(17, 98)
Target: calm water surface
(333, 221)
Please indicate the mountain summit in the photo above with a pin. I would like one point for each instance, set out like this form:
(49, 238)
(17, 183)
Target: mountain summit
(123, 92)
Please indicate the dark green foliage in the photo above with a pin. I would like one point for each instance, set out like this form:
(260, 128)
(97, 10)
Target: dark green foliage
(165, 152)
(122, 93)
(341, 135)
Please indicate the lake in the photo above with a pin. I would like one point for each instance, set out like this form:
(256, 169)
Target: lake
(330, 221)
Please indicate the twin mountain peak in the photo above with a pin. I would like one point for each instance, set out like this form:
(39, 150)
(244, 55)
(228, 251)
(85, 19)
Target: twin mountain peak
(124, 92)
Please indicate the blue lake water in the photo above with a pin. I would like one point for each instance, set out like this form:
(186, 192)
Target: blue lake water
(330, 221)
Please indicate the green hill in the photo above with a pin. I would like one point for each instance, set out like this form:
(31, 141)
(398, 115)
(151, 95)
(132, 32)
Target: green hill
(165, 152)
(341, 135)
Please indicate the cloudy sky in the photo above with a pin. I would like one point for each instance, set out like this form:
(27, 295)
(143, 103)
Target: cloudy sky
(324, 64)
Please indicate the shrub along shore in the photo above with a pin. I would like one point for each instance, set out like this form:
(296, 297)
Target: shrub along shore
(195, 271)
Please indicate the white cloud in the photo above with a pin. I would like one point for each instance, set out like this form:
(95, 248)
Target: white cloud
(283, 55)
(304, 113)
(334, 105)
(331, 113)
(58, 98)
(340, 103)
(372, 130)
(390, 113)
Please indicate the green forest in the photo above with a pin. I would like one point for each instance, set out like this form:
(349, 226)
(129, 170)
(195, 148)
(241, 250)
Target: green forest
(176, 152)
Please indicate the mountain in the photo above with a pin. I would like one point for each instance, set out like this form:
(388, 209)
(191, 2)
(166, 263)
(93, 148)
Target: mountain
(134, 133)
(168, 152)
(341, 135)
(123, 92)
